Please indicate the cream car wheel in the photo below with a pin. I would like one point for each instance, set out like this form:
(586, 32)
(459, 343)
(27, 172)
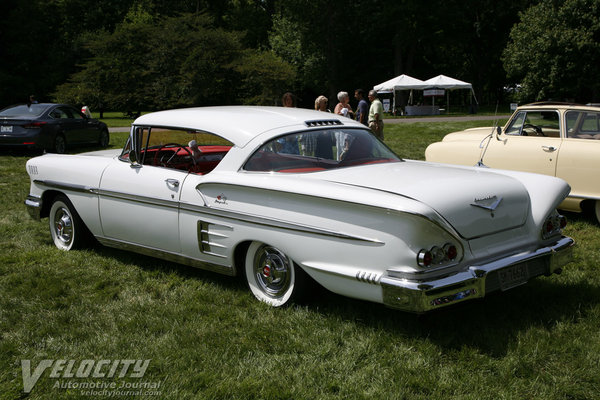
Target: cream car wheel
(272, 275)
(597, 211)
(66, 227)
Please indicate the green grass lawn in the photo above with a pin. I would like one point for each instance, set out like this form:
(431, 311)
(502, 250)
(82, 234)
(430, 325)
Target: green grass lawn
(114, 119)
(208, 338)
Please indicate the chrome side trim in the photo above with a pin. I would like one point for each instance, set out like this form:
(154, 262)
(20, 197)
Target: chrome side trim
(34, 206)
(139, 199)
(578, 196)
(274, 223)
(166, 255)
(67, 186)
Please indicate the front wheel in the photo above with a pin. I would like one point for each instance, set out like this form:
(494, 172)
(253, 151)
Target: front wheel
(272, 276)
(66, 227)
(597, 210)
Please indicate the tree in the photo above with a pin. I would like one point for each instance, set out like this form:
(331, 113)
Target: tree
(157, 63)
(554, 52)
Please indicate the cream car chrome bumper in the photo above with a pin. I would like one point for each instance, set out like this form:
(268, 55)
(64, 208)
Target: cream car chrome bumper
(477, 280)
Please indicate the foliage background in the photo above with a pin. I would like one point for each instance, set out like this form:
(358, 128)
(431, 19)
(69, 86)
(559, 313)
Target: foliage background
(154, 54)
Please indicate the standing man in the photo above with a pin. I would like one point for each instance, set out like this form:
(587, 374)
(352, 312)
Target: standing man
(376, 115)
(362, 110)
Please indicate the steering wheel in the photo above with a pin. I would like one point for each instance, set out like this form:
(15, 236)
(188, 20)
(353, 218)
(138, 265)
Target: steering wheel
(166, 159)
(537, 129)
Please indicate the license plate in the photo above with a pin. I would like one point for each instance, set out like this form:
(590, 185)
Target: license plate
(513, 276)
(7, 129)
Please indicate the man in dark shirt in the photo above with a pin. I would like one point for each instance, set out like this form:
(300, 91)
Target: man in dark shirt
(362, 110)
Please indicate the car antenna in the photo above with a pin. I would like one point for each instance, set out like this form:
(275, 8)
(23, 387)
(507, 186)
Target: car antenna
(489, 139)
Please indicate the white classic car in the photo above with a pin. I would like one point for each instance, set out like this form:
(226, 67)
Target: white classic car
(555, 139)
(276, 194)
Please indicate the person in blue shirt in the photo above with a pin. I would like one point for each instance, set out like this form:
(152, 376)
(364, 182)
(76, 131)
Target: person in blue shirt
(362, 110)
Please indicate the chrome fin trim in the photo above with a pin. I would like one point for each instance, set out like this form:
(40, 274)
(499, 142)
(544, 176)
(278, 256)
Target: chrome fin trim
(207, 239)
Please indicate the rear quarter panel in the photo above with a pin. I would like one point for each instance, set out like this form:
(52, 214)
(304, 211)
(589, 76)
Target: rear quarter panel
(344, 246)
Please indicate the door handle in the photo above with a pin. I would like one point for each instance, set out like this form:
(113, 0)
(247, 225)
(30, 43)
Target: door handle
(549, 148)
(172, 182)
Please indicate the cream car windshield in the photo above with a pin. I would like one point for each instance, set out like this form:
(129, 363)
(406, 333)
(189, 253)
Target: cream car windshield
(319, 150)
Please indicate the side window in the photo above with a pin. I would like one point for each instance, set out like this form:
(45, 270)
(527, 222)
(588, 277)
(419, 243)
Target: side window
(59, 113)
(583, 124)
(187, 150)
(541, 123)
(573, 120)
(74, 114)
(515, 126)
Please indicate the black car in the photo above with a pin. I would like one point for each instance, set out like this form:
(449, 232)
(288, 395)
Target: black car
(50, 127)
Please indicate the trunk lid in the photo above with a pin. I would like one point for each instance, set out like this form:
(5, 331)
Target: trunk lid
(476, 202)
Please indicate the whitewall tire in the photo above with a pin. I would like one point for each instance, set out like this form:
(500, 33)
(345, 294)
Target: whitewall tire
(272, 276)
(66, 227)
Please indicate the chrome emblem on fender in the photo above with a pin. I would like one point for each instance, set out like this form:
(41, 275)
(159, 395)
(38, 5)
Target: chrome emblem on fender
(221, 199)
(488, 203)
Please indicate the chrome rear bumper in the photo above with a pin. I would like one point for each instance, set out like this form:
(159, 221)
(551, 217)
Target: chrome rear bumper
(474, 282)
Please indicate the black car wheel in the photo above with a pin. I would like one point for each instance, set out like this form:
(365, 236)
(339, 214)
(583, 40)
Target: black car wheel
(104, 139)
(60, 144)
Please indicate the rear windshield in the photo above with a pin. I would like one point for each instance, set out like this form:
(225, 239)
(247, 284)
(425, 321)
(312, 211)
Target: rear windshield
(23, 110)
(318, 150)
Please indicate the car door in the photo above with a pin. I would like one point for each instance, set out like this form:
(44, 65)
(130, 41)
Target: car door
(530, 143)
(579, 160)
(140, 205)
(139, 202)
(67, 125)
(87, 130)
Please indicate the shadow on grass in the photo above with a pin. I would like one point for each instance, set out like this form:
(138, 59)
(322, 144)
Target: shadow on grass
(490, 325)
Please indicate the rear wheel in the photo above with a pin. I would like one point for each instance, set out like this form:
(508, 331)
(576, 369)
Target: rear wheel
(272, 276)
(60, 144)
(66, 227)
(597, 210)
(104, 139)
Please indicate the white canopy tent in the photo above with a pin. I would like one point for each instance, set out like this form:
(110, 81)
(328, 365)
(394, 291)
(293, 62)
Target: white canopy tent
(447, 83)
(401, 82)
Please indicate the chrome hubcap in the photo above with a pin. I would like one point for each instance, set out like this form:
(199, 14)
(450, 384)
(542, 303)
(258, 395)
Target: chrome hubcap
(272, 270)
(63, 226)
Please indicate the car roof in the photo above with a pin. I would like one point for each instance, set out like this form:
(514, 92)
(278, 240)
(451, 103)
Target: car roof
(549, 105)
(240, 124)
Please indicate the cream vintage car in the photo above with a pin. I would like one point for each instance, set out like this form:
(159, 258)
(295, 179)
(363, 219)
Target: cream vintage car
(555, 139)
(282, 196)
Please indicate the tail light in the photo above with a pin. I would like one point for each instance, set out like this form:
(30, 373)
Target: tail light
(34, 125)
(437, 255)
(553, 225)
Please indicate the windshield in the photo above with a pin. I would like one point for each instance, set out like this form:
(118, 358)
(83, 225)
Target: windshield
(318, 150)
(34, 110)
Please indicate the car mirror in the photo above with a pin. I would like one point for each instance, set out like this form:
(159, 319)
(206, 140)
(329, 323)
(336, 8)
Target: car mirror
(134, 160)
(499, 130)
